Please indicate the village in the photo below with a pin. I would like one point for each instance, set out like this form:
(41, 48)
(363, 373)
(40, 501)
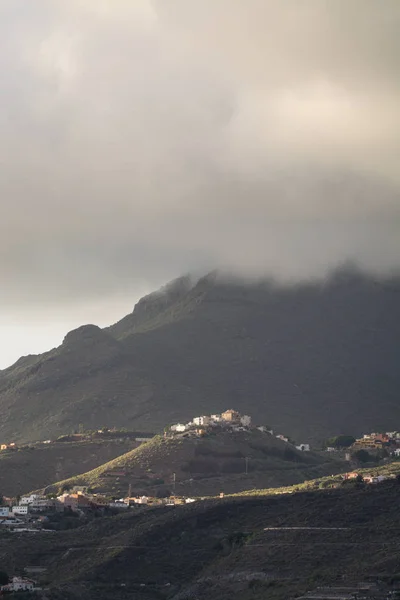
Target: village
(43, 514)
(36, 512)
(231, 420)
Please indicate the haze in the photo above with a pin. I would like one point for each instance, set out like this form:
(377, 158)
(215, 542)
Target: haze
(144, 139)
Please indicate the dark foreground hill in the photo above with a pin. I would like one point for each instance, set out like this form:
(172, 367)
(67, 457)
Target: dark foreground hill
(314, 359)
(221, 549)
(224, 461)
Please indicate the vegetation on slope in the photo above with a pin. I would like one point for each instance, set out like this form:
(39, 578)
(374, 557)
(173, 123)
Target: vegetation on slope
(223, 548)
(388, 470)
(34, 467)
(224, 461)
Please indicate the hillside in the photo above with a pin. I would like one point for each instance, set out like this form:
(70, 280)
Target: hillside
(313, 359)
(28, 468)
(221, 549)
(205, 466)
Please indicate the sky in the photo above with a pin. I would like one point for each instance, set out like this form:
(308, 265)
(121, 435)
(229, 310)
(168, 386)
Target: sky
(143, 139)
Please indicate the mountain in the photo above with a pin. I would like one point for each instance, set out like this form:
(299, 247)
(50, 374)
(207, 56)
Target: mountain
(312, 360)
(215, 462)
(248, 548)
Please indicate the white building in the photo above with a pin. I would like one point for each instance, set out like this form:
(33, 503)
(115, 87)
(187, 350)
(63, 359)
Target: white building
(245, 420)
(304, 447)
(397, 452)
(4, 511)
(142, 500)
(18, 584)
(29, 499)
(118, 504)
(264, 429)
(43, 504)
(179, 428)
(22, 509)
(282, 437)
(216, 418)
(202, 421)
(331, 449)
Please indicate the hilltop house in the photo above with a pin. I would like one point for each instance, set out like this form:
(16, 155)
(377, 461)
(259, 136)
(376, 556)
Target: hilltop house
(216, 418)
(231, 416)
(203, 421)
(179, 428)
(282, 437)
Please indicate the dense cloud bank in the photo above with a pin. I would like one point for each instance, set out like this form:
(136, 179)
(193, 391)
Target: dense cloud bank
(140, 140)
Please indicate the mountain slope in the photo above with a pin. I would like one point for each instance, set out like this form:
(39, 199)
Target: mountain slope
(313, 360)
(205, 466)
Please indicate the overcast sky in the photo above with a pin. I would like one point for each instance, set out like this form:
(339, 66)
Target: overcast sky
(141, 139)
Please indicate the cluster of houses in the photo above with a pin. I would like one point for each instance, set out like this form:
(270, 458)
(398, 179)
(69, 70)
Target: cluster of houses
(367, 478)
(230, 420)
(377, 441)
(11, 446)
(31, 509)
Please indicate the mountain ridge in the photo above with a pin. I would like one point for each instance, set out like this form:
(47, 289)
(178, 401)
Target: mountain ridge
(313, 359)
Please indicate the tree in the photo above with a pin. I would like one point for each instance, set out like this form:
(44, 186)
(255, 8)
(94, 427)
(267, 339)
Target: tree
(362, 456)
(4, 578)
(341, 441)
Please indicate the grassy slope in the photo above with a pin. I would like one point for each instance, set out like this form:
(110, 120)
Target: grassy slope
(390, 469)
(27, 469)
(219, 549)
(207, 466)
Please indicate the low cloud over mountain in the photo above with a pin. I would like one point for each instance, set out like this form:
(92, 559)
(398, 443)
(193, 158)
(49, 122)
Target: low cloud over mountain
(140, 140)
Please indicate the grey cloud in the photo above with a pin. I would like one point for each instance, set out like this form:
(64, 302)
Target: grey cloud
(142, 140)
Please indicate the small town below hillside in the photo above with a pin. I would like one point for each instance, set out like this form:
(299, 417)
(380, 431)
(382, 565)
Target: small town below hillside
(39, 517)
(41, 512)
